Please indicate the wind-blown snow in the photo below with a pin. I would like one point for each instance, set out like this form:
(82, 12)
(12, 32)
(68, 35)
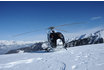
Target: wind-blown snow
(90, 57)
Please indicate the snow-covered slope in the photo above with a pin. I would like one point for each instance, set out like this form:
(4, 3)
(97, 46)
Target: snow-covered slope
(90, 57)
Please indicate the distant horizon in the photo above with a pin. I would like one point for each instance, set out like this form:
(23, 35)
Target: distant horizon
(66, 35)
(22, 16)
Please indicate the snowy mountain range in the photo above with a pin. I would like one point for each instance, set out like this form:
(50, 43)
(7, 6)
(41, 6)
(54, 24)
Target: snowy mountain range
(84, 57)
(86, 39)
(6, 46)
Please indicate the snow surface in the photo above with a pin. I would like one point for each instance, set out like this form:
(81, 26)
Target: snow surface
(89, 57)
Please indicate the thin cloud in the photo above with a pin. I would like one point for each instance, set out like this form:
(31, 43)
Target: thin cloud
(95, 18)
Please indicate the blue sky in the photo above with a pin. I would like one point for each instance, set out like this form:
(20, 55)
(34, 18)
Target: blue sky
(18, 17)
